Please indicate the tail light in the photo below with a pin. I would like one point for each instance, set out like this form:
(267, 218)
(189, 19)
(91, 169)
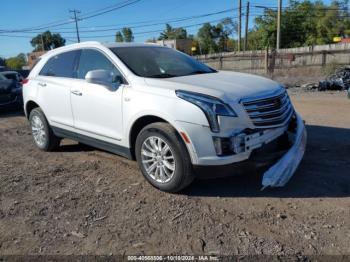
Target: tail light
(25, 81)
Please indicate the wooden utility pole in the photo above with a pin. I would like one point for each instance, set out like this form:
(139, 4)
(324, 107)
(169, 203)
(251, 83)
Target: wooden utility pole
(266, 60)
(239, 24)
(279, 13)
(76, 22)
(246, 27)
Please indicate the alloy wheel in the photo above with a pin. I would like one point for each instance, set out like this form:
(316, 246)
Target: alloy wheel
(38, 131)
(158, 159)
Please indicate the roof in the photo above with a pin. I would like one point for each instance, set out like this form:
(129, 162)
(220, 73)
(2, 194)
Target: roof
(9, 72)
(94, 44)
(111, 45)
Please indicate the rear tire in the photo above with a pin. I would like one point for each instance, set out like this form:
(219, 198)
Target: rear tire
(42, 133)
(163, 158)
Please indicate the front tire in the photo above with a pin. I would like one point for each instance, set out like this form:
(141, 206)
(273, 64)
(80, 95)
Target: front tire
(163, 157)
(43, 136)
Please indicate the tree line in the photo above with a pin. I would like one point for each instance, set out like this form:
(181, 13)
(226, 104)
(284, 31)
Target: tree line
(304, 23)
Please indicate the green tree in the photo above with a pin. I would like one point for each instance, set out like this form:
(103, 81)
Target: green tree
(47, 41)
(173, 33)
(119, 37)
(216, 38)
(206, 38)
(126, 35)
(16, 62)
(223, 30)
(304, 23)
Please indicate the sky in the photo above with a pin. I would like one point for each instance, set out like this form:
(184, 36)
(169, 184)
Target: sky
(148, 17)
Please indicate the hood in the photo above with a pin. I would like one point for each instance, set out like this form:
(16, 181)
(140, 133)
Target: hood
(223, 84)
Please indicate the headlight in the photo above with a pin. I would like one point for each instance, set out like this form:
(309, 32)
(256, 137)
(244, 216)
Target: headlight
(211, 106)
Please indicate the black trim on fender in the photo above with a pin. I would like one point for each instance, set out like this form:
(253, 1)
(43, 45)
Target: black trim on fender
(116, 149)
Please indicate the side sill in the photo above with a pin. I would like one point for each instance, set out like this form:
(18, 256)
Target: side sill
(115, 149)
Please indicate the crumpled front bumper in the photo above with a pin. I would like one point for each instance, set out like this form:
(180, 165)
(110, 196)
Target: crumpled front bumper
(280, 173)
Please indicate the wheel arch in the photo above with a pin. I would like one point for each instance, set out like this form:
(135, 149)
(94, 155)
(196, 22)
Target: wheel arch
(138, 125)
(30, 105)
(145, 120)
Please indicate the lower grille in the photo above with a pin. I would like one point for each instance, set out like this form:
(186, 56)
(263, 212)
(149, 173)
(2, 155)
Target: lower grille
(272, 111)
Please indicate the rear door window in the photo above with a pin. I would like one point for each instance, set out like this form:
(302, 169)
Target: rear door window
(61, 65)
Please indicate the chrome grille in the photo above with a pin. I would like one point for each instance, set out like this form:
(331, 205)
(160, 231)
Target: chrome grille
(271, 111)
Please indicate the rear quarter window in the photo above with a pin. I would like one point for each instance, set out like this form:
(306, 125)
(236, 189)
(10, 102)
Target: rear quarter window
(61, 65)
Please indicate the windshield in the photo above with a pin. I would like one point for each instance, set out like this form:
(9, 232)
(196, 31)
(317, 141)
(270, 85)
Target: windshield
(159, 62)
(2, 77)
(11, 76)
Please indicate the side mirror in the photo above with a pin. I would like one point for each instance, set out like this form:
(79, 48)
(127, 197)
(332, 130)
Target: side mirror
(103, 77)
(118, 80)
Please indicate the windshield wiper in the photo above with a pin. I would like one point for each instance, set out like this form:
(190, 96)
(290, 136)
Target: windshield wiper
(162, 76)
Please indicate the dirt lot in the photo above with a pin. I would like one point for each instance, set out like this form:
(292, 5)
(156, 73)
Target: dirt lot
(80, 200)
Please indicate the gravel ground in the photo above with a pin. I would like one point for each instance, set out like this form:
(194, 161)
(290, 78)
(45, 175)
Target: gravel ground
(80, 200)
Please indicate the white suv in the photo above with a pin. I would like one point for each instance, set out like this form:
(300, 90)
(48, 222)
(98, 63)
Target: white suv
(176, 116)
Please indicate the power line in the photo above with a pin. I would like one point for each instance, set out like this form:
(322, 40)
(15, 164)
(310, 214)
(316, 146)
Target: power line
(85, 17)
(19, 36)
(297, 10)
(174, 20)
(136, 23)
(110, 10)
(107, 7)
(136, 33)
(157, 31)
(125, 3)
(143, 32)
(151, 24)
(147, 21)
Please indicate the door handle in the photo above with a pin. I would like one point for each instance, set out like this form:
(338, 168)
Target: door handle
(77, 93)
(41, 84)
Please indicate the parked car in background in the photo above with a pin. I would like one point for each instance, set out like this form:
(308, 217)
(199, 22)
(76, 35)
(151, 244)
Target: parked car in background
(10, 93)
(176, 116)
(13, 75)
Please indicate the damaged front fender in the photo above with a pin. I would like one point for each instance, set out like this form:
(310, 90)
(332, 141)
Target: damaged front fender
(280, 173)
